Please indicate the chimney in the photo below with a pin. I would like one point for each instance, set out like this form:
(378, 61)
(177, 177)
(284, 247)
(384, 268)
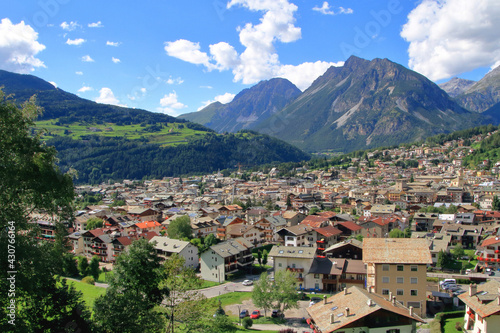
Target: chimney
(390, 296)
(347, 312)
(472, 289)
(332, 318)
(324, 299)
(394, 300)
(345, 291)
(369, 289)
(411, 311)
(369, 302)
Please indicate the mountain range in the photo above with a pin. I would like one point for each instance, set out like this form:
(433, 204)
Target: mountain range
(106, 142)
(363, 104)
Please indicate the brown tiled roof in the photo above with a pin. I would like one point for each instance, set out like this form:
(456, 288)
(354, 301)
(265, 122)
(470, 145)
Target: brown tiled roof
(328, 231)
(350, 225)
(490, 241)
(396, 250)
(357, 301)
(484, 302)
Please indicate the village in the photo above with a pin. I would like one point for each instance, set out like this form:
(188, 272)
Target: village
(374, 229)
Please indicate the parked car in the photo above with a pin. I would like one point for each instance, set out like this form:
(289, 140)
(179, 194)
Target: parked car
(451, 287)
(255, 314)
(247, 282)
(244, 313)
(277, 314)
(468, 271)
(447, 281)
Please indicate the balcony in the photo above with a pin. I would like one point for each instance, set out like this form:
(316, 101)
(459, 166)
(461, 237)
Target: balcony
(300, 279)
(354, 281)
(329, 281)
(295, 269)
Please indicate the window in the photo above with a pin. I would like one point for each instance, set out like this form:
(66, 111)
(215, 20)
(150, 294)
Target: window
(316, 276)
(385, 291)
(399, 292)
(394, 330)
(416, 305)
(400, 268)
(413, 280)
(385, 268)
(413, 292)
(414, 268)
(280, 265)
(400, 279)
(385, 279)
(316, 286)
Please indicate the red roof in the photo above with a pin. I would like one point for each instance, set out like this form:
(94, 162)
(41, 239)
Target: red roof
(328, 231)
(491, 241)
(147, 224)
(350, 225)
(314, 221)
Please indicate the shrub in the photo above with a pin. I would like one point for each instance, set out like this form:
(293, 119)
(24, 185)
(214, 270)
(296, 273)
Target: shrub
(88, 280)
(247, 323)
(458, 326)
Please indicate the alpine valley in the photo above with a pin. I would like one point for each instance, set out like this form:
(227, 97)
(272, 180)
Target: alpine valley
(363, 104)
(105, 142)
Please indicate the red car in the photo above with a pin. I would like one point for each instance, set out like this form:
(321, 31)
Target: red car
(255, 314)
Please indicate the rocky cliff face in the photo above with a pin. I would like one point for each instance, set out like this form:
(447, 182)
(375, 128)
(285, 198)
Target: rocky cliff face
(456, 86)
(250, 107)
(483, 94)
(366, 104)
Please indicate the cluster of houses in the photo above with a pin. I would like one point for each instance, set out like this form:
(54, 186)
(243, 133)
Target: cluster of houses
(330, 228)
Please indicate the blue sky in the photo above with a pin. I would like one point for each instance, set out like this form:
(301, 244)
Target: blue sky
(177, 56)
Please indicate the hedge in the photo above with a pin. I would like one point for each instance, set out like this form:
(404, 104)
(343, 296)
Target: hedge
(436, 325)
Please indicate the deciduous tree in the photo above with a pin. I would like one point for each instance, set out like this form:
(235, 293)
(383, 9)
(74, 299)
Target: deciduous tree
(180, 228)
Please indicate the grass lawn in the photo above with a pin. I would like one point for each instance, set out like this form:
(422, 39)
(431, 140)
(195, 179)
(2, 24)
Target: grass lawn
(90, 292)
(208, 284)
(104, 277)
(233, 298)
(449, 324)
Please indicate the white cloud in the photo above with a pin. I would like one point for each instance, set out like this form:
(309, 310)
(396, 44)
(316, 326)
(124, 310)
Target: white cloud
(87, 58)
(115, 60)
(304, 74)
(171, 80)
(327, 10)
(85, 89)
(187, 51)
(259, 60)
(19, 47)
(224, 99)
(138, 94)
(69, 26)
(449, 37)
(53, 83)
(97, 24)
(206, 87)
(106, 96)
(79, 73)
(108, 43)
(77, 41)
(170, 104)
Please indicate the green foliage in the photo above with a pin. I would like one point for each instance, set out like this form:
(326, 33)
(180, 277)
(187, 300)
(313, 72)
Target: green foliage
(444, 259)
(284, 293)
(93, 223)
(30, 181)
(93, 268)
(99, 159)
(396, 233)
(69, 265)
(180, 228)
(88, 280)
(458, 251)
(134, 292)
(83, 265)
(262, 295)
(496, 203)
(247, 323)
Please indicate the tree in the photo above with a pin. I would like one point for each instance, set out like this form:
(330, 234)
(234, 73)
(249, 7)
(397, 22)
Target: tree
(496, 203)
(93, 269)
(180, 228)
(134, 292)
(259, 257)
(184, 303)
(31, 182)
(83, 266)
(93, 223)
(70, 267)
(458, 251)
(396, 233)
(265, 254)
(313, 210)
(284, 294)
(345, 200)
(262, 293)
(443, 260)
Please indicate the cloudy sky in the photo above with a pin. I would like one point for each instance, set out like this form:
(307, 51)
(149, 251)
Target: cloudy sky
(178, 56)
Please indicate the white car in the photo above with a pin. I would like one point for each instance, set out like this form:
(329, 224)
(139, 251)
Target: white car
(247, 282)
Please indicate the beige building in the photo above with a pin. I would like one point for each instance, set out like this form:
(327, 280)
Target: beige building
(397, 267)
(298, 260)
(482, 307)
(166, 247)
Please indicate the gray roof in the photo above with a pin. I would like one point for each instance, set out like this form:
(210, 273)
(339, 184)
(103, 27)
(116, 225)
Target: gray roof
(293, 252)
(232, 247)
(166, 244)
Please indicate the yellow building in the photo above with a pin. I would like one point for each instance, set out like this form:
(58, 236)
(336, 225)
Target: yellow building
(397, 267)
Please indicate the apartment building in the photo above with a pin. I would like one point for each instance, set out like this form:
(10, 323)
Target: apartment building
(397, 267)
